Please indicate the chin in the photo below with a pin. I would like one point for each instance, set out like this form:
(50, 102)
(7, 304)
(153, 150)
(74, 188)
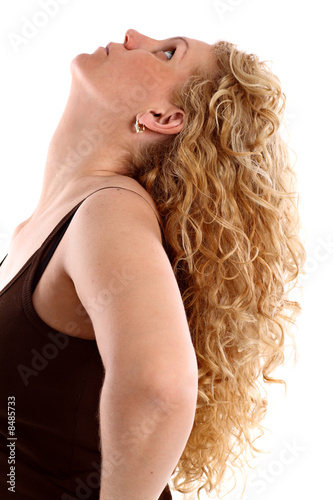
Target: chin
(79, 62)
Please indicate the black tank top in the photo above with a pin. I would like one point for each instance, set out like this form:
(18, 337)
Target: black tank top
(49, 391)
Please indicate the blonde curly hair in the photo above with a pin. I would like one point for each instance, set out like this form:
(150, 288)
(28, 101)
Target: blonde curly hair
(225, 190)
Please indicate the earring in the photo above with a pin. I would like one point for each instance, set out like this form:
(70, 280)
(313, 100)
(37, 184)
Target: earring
(139, 127)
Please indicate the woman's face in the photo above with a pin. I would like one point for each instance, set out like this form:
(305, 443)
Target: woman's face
(140, 73)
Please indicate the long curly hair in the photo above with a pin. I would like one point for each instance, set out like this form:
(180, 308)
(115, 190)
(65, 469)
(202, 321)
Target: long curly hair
(225, 190)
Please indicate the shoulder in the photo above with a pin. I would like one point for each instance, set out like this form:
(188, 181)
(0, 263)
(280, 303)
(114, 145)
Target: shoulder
(124, 183)
(126, 193)
(120, 204)
(113, 227)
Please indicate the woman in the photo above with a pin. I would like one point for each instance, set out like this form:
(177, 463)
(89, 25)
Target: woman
(135, 330)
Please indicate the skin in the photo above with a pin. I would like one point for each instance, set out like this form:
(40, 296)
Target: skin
(138, 320)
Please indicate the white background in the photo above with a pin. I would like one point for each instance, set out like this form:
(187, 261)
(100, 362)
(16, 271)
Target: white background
(295, 36)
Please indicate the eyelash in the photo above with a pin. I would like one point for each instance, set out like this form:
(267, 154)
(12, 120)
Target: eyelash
(172, 52)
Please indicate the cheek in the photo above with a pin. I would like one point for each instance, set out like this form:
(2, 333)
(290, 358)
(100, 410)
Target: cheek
(137, 83)
(147, 73)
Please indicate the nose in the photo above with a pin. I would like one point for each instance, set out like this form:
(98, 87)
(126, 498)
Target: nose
(134, 40)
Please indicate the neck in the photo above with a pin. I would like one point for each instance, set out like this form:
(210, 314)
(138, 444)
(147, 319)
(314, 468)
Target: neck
(85, 145)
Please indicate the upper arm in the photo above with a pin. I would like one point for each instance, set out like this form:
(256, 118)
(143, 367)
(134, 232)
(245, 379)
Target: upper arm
(124, 280)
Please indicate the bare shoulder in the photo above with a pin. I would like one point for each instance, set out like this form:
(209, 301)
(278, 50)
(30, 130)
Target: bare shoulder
(123, 205)
(130, 184)
(112, 226)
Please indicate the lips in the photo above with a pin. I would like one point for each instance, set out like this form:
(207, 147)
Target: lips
(107, 48)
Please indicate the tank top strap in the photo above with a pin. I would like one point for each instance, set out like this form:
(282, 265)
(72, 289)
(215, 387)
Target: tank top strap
(61, 229)
(55, 242)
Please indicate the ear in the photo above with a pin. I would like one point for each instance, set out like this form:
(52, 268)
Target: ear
(168, 123)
